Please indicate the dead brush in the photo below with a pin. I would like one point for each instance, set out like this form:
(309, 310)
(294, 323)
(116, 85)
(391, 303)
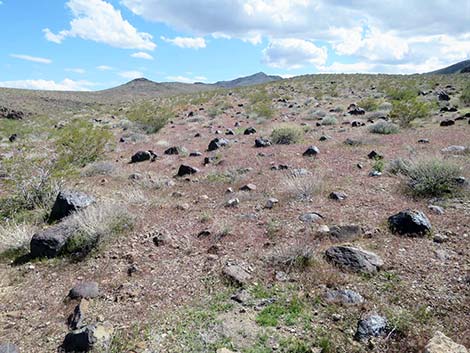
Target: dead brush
(15, 237)
(289, 257)
(301, 187)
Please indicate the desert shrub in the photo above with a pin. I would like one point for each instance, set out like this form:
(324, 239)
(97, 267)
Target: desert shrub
(97, 224)
(287, 135)
(30, 185)
(149, 117)
(405, 111)
(329, 120)
(292, 256)
(14, 237)
(384, 127)
(369, 104)
(301, 187)
(98, 168)
(261, 104)
(80, 143)
(433, 177)
(402, 94)
(465, 96)
(399, 166)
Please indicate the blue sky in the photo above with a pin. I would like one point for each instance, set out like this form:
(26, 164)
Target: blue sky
(96, 44)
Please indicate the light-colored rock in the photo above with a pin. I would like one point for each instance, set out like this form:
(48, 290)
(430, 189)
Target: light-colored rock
(440, 343)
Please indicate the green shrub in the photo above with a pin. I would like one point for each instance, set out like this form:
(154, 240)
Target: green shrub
(261, 104)
(329, 120)
(432, 177)
(149, 117)
(287, 135)
(399, 166)
(384, 128)
(400, 94)
(465, 96)
(405, 111)
(369, 104)
(80, 143)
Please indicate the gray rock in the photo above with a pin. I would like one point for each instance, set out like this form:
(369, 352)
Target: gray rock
(236, 274)
(68, 202)
(436, 209)
(344, 296)
(8, 348)
(338, 195)
(186, 170)
(440, 343)
(271, 202)
(345, 232)
(217, 143)
(88, 338)
(176, 150)
(262, 142)
(311, 217)
(312, 151)
(242, 296)
(354, 259)
(325, 138)
(371, 326)
(248, 187)
(249, 131)
(410, 222)
(454, 149)
(232, 202)
(50, 242)
(85, 290)
(375, 173)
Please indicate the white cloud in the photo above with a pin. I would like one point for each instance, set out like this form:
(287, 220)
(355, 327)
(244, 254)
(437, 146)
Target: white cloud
(76, 70)
(65, 85)
(186, 42)
(31, 58)
(142, 55)
(293, 53)
(99, 21)
(104, 68)
(184, 79)
(131, 74)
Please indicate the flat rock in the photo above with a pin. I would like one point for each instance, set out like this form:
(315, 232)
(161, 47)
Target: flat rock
(142, 156)
(262, 142)
(354, 259)
(409, 222)
(176, 150)
(87, 290)
(440, 343)
(345, 232)
(236, 274)
(344, 296)
(68, 202)
(311, 217)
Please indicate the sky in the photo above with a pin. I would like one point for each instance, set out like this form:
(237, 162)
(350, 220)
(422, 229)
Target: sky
(98, 44)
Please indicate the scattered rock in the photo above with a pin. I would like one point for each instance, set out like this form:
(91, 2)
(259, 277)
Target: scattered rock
(248, 187)
(75, 320)
(324, 138)
(88, 338)
(195, 154)
(436, 209)
(217, 143)
(249, 131)
(176, 150)
(371, 326)
(186, 170)
(440, 343)
(242, 296)
(440, 238)
(443, 96)
(354, 259)
(262, 142)
(352, 142)
(375, 173)
(447, 122)
(13, 138)
(50, 242)
(338, 195)
(344, 296)
(142, 156)
(87, 290)
(353, 109)
(423, 141)
(236, 274)
(374, 155)
(357, 123)
(232, 202)
(311, 217)
(11, 114)
(454, 149)
(312, 151)
(346, 232)
(68, 202)
(271, 203)
(410, 222)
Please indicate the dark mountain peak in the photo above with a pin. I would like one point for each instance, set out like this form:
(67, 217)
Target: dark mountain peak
(460, 67)
(255, 79)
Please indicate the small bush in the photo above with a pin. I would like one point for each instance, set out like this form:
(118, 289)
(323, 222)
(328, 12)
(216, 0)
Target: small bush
(149, 117)
(465, 96)
(297, 256)
(80, 143)
(399, 94)
(433, 177)
(287, 135)
(302, 187)
(399, 166)
(329, 120)
(384, 128)
(405, 111)
(369, 104)
(98, 168)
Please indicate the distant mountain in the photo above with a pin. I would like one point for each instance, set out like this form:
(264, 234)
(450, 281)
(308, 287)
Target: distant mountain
(461, 67)
(255, 79)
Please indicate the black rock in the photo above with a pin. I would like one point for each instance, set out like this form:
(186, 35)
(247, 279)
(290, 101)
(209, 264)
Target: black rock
(13, 138)
(447, 122)
(85, 290)
(262, 142)
(68, 202)
(50, 242)
(195, 154)
(357, 123)
(443, 96)
(75, 319)
(143, 156)
(229, 132)
(338, 195)
(353, 109)
(217, 143)
(374, 155)
(410, 222)
(249, 131)
(423, 141)
(176, 150)
(371, 326)
(79, 341)
(186, 170)
(311, 151)
(210, 160)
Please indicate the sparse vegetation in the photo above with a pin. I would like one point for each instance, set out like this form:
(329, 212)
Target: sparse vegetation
(405, 111)
(369, 104)
(287, 135)
(303, 187)
(384, 128)
(465, 96)
(329, 120)
(149, 117)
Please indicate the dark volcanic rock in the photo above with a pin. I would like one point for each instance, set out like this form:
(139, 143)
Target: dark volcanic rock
(11, 114)
(85, 290)
(345, 232)
(50, 242)
(68, 202)
(143, 156)
(443, 96)
(354, 259)
(410, 222)
(262, 142)
(217, 143)
(447, 122)
(176, 150)
(338, 195)
(186, 170)
(87, 338)
(312, 151)
(249, 131)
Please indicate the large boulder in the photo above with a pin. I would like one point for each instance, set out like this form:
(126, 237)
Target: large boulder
(87, 338)
(354, 259)
(68, 202)
(50, 242)
(410, 222)
(217, 143)
(440, 343)
(371, 326)
(186, 170)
